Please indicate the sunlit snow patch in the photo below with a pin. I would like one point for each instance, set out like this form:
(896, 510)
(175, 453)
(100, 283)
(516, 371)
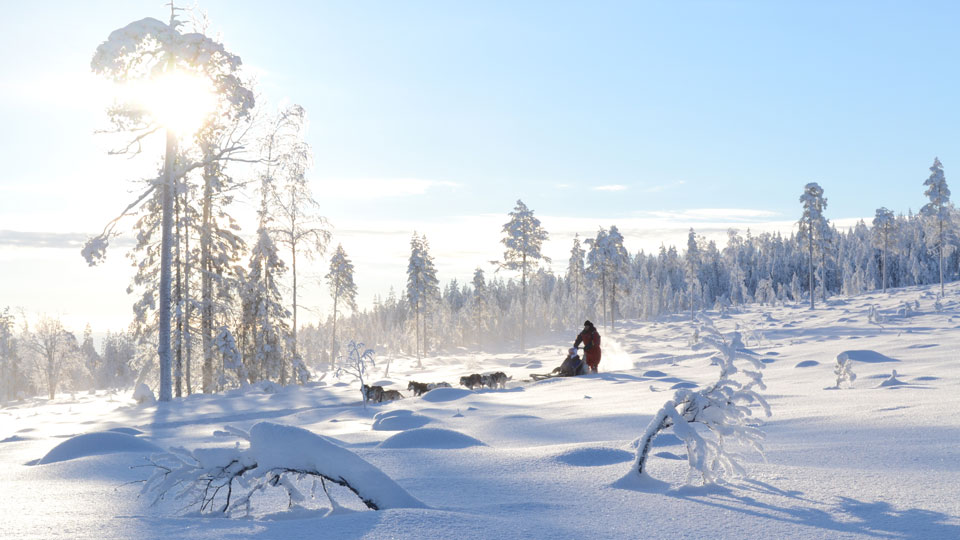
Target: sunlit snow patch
(92, 444)
(398, 420)
(436, 438)
(438, 395)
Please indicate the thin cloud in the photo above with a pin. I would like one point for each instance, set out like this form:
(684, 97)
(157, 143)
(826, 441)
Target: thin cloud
(711, 215)
(611, 187)
(51, 240)
(381, 188)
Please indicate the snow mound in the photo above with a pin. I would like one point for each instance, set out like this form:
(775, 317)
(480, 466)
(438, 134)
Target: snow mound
(669, 455)
(683, 384)
(868, 357)
(398, 420)
(435, 438)
(264, 387)
(439, 395)
(92, 444)
(807, 363)
(595, 457)
(654, 373)
(275, 446)
(16, 438)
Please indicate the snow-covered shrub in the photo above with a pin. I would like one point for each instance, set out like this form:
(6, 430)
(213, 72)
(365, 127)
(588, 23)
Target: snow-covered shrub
(224, 480)
(301, 374)
(892, 380)
(143, 395)
(232, 360)
(356, 364)
(874, 316)
(843, 370)
(908, 309)
(724, 409)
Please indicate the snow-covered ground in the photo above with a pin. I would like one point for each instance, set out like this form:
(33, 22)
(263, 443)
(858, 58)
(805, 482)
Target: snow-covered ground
(543, 459)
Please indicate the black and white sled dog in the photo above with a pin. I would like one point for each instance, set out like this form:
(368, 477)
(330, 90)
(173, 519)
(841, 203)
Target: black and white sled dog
(495, 380)
(377, 394)
(422, 388)
(472, 381)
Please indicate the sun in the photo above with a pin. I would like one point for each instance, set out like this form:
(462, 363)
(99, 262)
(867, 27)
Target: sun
(176, 100)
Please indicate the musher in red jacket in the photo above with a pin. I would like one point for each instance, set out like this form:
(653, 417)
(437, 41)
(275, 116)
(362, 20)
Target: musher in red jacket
(591, 345)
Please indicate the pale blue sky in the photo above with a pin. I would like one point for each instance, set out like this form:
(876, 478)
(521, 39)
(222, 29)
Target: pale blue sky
(425, 114)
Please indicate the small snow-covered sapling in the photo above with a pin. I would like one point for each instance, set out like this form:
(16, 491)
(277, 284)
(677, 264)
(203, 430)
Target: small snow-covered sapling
(843, 370)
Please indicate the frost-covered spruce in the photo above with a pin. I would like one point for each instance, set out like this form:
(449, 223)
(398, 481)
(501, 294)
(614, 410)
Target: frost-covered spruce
(884, 228)
(423, 288)
(814, 232)
(232, 359)
(479, 303)
(342, 289)
(939, 213)
(844, 371)
(724, 408)
(576, 281)
(607, 265)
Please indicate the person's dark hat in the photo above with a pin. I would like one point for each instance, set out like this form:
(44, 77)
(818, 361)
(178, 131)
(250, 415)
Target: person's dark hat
(588, 323)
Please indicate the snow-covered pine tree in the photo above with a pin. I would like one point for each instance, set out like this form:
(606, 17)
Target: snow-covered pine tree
(523, 238)
(422, 287)
(151, 50)
(576, 281)
(342, 288)
(884, 225)
(232, 360)
(618, 261)
(220, 251)
(12, 373)
(938, 213)
(598, 268)
(479, 303)
(813, 227)
(264, 314)
(90, 357)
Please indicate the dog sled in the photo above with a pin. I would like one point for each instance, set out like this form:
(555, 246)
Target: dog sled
(572, 366)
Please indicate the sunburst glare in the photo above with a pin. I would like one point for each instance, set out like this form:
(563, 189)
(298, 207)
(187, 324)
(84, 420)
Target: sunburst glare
(179, 101)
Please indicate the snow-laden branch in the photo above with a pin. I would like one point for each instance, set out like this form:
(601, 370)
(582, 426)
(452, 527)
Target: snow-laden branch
(724, 408)
(224, 480)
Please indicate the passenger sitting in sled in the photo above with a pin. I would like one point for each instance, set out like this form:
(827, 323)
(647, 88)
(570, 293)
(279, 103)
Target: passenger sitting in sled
(572, 365)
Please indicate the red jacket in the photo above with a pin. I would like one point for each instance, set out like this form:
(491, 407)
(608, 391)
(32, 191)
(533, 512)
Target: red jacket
(591, 346)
